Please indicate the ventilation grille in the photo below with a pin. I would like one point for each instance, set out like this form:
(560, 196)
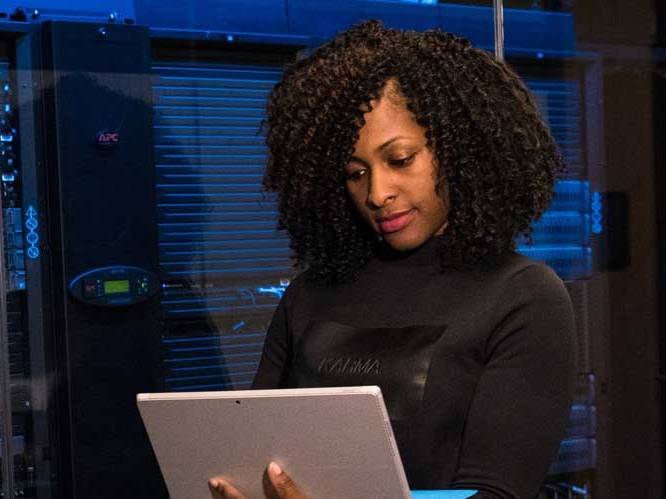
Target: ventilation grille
(223, 264)
(217, 230)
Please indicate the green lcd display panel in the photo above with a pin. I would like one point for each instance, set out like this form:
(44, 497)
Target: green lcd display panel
(113, 287)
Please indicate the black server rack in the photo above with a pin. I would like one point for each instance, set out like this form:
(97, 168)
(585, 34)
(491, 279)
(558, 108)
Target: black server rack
(89, 234)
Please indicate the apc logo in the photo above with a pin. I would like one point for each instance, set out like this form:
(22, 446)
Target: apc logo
(107, 140)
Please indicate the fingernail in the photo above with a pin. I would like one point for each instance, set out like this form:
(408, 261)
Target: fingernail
(214, 483)
(274, 468)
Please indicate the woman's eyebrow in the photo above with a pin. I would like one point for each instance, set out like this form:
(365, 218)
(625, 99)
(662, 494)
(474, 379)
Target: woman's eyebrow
(358, 160)
(380, 148)
(390, 141)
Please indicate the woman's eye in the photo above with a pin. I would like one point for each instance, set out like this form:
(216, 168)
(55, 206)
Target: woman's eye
(355, 175)
(402, 161)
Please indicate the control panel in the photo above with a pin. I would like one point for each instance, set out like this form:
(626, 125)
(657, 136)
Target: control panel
(115, 286)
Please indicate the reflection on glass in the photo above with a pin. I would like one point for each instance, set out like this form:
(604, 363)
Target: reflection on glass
(222, 264)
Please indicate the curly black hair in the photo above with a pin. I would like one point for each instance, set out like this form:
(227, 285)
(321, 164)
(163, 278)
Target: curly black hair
(494, 154)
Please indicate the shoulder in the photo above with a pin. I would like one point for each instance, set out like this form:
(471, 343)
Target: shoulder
(516, 271)
(513, 274)
(529, 288)
(533, 312)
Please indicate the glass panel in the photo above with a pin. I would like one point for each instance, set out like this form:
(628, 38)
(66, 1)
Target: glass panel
(140, 253)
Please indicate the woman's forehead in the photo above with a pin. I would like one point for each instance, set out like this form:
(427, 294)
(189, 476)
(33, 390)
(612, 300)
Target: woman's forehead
(388, 121)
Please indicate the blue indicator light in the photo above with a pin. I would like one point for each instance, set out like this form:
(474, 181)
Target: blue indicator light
(540, 55)
(8, 177)
(6, 137)
(6, 87)
(230, 38)
(8, 108)
(32, 236)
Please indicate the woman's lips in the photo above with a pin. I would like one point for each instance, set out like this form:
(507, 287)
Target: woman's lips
(394, 223)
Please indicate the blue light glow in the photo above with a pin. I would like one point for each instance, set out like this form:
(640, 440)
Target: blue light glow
(597, 213)
(208, 310)
(277, 291)
(209, 387)
(210, 376)
(209, 339)
(215, 347)
(213, 358)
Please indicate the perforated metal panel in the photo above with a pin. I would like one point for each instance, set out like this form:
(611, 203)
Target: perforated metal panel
(562, 237)
(560, 103)
(223, 264)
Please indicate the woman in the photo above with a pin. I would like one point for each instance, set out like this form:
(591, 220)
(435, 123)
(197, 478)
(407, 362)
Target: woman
(406, 164)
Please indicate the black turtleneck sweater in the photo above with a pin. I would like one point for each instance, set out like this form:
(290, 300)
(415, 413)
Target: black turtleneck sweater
(476, 366)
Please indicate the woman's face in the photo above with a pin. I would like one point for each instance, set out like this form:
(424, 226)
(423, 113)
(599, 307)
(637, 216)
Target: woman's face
(391, 176)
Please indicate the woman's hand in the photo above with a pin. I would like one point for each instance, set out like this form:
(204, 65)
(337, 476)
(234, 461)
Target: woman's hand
(279, 486)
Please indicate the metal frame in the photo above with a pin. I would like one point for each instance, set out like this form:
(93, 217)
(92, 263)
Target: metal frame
(498, 15)
(5, 389)
(28, 86)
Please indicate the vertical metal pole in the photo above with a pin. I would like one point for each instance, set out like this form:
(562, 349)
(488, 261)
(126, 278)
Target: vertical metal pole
(5, 389)
(498, 10)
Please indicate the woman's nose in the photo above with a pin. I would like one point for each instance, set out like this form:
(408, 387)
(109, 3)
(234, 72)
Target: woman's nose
(381, 189)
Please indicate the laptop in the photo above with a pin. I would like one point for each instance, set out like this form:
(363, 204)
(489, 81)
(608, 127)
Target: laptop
(317, 435)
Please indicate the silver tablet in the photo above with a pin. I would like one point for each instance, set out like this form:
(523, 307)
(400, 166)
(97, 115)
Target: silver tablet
(334, 442)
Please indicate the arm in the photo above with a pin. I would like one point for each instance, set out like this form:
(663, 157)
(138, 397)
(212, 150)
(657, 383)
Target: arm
(521, 404)
(275, 358)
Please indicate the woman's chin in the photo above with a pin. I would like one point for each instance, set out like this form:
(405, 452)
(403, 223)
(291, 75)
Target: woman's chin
(404, 242)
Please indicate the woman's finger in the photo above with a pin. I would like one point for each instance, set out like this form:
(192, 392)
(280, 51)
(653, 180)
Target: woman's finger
(222, 489)
(284, 486)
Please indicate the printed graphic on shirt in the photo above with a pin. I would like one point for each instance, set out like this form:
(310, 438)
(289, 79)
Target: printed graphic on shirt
(395, 359)
(348, 365)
